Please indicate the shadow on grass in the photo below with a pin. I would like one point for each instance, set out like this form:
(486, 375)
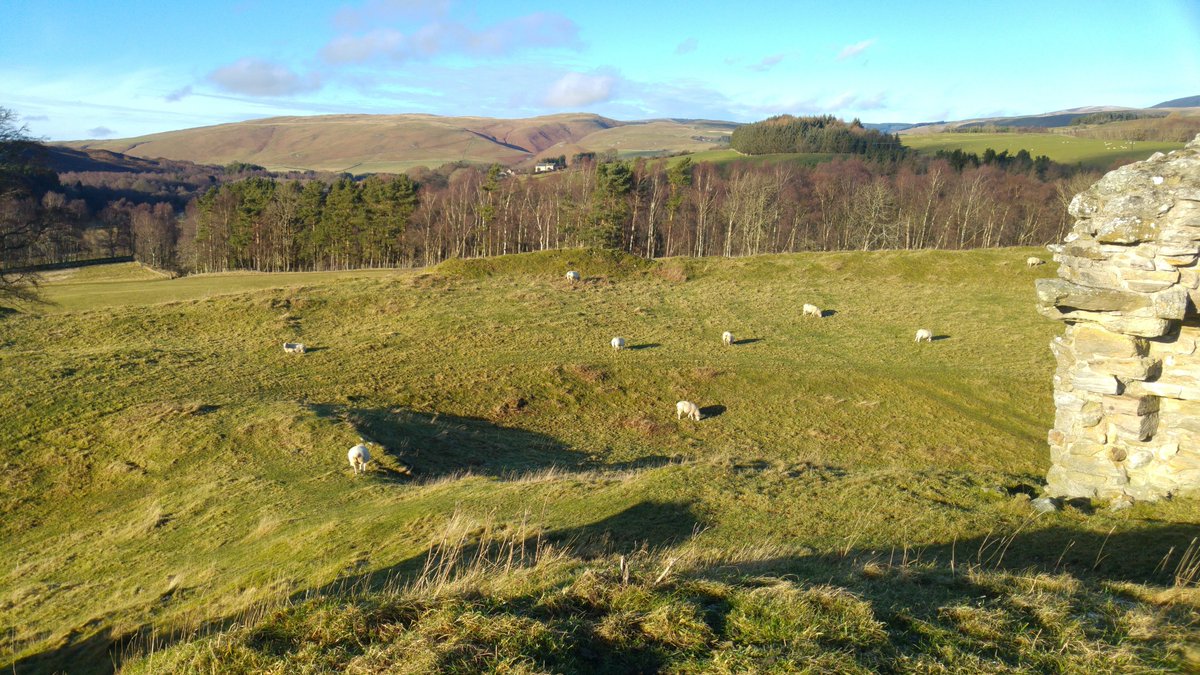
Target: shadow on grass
(648, 345)
(939, 338)
(425, 446)
(748, 341)
(825, 314)
(902, 595)
(1134, 556)
(711, 411)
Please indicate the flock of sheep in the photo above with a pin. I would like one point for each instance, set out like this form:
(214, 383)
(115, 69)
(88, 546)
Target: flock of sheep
(691, 410)
(359, 455)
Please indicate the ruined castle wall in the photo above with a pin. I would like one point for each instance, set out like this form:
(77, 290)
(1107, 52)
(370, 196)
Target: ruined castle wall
(1127, 386)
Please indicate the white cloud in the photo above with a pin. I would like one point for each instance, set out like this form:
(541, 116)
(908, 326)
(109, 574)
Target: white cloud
(686, 47)
(256, 77)
(101, 132)
(577, 89)
(851, 51)
(540, 29)
(35, 118)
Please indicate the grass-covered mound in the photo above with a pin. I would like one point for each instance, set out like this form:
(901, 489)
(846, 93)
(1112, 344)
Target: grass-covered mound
(512, 605)
(167, 468)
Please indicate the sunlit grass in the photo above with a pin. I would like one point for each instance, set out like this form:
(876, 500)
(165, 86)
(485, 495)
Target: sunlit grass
(167, 466)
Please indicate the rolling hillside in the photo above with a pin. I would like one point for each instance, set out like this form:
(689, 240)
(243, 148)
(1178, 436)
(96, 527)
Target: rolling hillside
(389, 143)
(176, 497)
(1095, 153)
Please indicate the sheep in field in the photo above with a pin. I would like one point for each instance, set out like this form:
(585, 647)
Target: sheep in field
(1034, 262)
(573, 276)
(812, 310)
(726, 338)
(359, 456)
(924, 334)
(618, 343)
(687, 408)
(294, 348)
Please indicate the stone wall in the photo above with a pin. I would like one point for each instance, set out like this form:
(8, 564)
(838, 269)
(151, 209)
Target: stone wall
(1127, 386)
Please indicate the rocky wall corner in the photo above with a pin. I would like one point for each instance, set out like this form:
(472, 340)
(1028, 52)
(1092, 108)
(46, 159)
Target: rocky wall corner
(1127, 386)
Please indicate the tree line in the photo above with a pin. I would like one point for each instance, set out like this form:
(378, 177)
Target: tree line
(823, 133)
(645, 207)
(651, 207)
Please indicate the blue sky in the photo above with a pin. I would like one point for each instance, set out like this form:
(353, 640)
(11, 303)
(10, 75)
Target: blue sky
(77, 70)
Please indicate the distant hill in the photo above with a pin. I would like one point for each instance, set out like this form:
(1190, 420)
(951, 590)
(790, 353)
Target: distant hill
(1186, 102)
(62, 159)
(382, 143)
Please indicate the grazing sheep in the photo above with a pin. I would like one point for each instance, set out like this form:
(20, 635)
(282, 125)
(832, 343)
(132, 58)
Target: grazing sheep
(573, 276)
(687, 408)
(924, 334)
(294, 348)
(618, 343)
(359, 456)
(726, 338)
(812, 310)
(1034, 262)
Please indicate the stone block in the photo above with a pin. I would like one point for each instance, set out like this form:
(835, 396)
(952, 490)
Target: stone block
(1136, 368)
(1143, 281)
(1129, 405)
(1100, 383)
(1091, 339)
(1135, 427)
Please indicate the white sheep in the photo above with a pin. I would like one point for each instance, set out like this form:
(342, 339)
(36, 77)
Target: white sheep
(618, 343)
(294, 348)
(726, 338)
(359, 456)
(1034, 262)
(573, 276)
(812, 310)
(687, 408)
(924, 334)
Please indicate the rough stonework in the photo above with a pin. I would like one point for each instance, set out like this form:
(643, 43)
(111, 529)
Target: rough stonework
(1127, 387)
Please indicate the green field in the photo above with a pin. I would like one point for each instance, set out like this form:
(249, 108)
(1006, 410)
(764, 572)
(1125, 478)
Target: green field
(1095, 153)
(725, 156)
(175, 488)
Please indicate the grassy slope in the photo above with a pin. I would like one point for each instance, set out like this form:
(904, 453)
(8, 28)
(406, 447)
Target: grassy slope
(654, 137)
(390, 143)
(359, 143)
(1098, 154)
(166, 464)
(726, 156)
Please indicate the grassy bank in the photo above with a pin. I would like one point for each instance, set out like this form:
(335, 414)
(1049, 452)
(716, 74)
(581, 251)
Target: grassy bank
(168, 469)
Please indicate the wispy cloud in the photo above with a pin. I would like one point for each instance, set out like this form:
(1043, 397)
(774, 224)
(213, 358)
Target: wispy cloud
(439, 37)
(35, 118)
(178, 94)
(577, 89)
(256, 77)
(851, 51)
(101, 132)
(686, 47)
(767, 63)
(851, 99)
(355, 17)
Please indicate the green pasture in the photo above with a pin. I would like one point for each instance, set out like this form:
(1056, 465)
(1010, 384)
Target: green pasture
(1094, 153)
(175, 494)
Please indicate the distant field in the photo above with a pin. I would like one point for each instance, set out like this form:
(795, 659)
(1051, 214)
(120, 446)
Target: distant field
(725, 156)
(851, 502)
(656, 137)
(1095, 153)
